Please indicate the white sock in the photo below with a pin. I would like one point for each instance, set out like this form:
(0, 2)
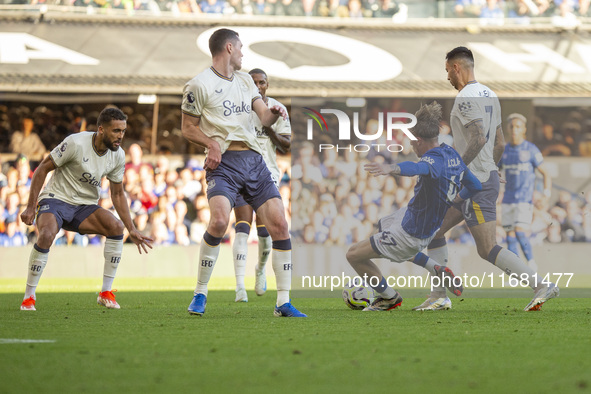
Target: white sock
(112, 254)
(515, 267)
(208, 255)
(240, 251)
(438, 256)
(37, 262)
(388, 293)
(282, 268)
(264, 251)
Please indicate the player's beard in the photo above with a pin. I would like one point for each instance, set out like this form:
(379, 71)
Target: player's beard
(111, 146)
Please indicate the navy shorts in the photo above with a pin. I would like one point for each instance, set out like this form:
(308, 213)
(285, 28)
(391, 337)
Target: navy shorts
(240, 201)
(68, 216)
(245, 173)
(482, 207)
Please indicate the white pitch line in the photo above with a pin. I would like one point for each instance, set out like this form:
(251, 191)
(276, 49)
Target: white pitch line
(17, 340)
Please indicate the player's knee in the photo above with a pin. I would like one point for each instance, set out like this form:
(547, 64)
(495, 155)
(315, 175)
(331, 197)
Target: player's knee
(352, 254)
(278, 230)
(116, 227)
(218, 225)
(483, 252)
(45, 238)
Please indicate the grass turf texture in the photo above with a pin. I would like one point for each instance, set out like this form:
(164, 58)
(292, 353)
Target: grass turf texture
(153, 345)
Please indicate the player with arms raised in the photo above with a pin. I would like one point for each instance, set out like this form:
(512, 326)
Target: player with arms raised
(478, 136)
(270, 139)
(217, 114)
(403, 234)
(70, 200)
(520, 161)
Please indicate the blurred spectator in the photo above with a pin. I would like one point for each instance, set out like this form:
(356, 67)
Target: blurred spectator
(492, 13)
(289, 8)
(188, 7)
(551, 143)
(384, 9)
(308, 6)
(355, 9)
(213, 6)
(136, 154)
(469, 8)
(27, 141)
(445, 136)
(261, 7)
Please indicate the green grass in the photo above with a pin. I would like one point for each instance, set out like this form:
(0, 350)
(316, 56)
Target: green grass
(153, 345)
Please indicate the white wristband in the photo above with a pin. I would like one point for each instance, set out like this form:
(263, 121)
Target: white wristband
(547, 192)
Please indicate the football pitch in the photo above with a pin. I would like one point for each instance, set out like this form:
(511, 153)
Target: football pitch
(482, 345)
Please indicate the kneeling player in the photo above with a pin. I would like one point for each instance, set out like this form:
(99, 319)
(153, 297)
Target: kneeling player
(405, 233)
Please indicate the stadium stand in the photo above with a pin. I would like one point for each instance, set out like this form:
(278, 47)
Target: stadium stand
(76, 57)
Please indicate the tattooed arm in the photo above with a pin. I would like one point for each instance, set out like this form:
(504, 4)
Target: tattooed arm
(476, 140)
(499, 145)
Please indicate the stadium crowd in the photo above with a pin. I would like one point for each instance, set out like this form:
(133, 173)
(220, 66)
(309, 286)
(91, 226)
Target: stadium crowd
(335, 201)
(491, 12)
(166, 192)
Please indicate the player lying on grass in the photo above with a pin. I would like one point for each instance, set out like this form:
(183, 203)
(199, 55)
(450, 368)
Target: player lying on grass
(406, 232)
(70, 200)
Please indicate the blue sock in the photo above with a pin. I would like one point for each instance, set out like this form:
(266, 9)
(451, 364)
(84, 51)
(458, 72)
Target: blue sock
(512, 244)
(382, 286)
(525, 244)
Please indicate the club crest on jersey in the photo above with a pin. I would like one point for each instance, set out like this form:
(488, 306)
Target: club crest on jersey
(211, 184)
(465, 106)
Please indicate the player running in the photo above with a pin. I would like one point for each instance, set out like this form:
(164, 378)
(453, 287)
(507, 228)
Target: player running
(70, 199)
(478, 136)
(217, 114)
(520, 161)
(406, 232)
(270, 139)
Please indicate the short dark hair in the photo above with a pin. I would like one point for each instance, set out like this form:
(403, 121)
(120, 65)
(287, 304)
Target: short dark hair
(460, 53)
(257, 71)
(108, 114)
(219, 38)
(516, 116)
(428, 121)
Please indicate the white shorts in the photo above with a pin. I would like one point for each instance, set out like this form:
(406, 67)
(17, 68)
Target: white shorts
(513, 215)
(392, 242)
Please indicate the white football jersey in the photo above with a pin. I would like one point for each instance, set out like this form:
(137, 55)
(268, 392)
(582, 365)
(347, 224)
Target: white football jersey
(224, 106)
(80, 169)
(476, 102)
(281, 126)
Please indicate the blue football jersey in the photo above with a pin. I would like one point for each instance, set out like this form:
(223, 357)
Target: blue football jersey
(434, 192)
(520, 162)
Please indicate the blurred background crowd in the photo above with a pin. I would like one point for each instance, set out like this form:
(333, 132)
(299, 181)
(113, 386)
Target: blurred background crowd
(334, 201)
(166, 192)
(491, 12)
